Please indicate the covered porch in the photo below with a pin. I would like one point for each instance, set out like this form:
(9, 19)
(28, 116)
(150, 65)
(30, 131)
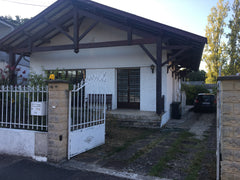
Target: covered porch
(107, 40)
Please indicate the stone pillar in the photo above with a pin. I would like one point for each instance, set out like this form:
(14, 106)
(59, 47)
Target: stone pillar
(58, 120)
(230, 127)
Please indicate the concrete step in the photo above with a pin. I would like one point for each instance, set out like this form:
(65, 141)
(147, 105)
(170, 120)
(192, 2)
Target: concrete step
(135, 118)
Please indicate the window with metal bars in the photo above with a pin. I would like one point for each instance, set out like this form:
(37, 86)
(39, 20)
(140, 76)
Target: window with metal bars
(73, 76)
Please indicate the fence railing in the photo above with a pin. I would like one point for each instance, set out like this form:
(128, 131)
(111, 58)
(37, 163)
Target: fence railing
(86, 110)
(15, 107)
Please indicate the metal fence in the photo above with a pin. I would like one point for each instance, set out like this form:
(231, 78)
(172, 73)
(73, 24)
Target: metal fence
(86, 110)
(15, 107)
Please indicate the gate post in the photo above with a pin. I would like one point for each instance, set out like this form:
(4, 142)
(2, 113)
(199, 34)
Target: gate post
(58, 120)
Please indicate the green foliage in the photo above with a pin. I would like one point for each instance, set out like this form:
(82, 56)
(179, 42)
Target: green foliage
(192, 91)
(173, 150)
(5, 74)
(196, 76)
(234, 40)
(214, 52)
(37, 79)
(214, 91)
(16, 22)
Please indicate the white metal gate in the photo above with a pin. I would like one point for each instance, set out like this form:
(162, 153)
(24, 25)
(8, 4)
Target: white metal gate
(87, 115)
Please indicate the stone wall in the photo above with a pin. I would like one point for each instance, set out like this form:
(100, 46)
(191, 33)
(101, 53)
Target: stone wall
(230, 127)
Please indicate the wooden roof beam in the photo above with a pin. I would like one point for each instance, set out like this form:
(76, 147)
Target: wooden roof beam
(115, 24)
(175, 47)
(42, 32)
(59, 28)
(129, 35)
(148, 53)
(93, 25)
(86, 45)
(76, 30)
(174, 56)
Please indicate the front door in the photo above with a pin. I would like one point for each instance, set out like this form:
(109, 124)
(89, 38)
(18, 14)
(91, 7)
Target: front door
(128, 88)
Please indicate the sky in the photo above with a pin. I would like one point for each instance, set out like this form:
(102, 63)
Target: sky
(188, 15)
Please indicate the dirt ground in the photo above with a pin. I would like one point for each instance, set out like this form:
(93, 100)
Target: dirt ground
(184, 149)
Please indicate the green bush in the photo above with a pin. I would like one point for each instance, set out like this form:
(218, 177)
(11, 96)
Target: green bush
(192, 91)
(37, 79)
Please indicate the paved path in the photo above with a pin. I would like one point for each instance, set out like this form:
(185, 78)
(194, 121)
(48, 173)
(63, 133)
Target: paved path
(137, 159)
(196, 123)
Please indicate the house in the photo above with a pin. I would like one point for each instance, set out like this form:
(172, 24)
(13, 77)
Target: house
(5, 28)
(142, 61)
(23, 66)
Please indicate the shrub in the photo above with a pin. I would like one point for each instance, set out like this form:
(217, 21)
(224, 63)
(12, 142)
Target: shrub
(5, 75)
(37, 79)
(192, 91)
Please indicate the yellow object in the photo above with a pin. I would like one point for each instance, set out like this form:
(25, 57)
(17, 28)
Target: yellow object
(52, 77)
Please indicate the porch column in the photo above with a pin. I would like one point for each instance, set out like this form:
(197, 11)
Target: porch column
(159, 105)
(58, 120)
(11, 63)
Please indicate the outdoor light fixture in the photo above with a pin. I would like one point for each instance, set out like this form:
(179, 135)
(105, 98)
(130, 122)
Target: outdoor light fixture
(182, 68)
(152, 68)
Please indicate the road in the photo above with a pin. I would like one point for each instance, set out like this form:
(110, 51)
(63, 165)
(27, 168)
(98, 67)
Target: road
(18, 168)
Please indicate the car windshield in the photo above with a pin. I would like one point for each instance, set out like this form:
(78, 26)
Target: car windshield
(206, 98)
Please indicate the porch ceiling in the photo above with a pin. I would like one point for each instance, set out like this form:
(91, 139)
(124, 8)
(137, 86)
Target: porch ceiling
(185, 49)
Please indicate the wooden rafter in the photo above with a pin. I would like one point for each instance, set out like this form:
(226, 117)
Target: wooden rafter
(174, 56)
(87, 45)
(148, 53)
(38, 19)
(42, 32)
(18, 60)
(59, 28)
(129, 35)
(114, 24)
(175, 47)
(88, 30)
(182, 58)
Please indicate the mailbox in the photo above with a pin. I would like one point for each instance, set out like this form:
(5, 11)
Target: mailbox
(38, 108)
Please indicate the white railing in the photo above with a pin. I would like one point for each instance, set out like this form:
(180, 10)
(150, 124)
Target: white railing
(86, 110)
(15, 107)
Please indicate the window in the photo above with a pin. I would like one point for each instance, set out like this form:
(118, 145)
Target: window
(74, 76)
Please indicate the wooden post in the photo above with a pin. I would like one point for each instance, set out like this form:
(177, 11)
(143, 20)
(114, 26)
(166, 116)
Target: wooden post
(76, 31)
(159, 102)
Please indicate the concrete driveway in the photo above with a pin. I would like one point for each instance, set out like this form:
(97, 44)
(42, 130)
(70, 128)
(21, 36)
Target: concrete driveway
(170, 152)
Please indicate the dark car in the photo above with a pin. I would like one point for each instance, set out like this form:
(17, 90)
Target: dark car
(205, 102)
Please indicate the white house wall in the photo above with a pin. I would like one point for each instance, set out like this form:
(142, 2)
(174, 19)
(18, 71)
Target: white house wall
(147, 89)
(102, 81)
(168, 86)
(106, 61)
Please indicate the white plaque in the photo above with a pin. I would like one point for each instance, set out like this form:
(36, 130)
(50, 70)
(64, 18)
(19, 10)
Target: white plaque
(38, 108)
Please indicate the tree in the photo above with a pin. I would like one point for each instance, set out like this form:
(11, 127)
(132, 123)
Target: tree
(196, 76)
(214, 55)
(16, 22)
(234, 40)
